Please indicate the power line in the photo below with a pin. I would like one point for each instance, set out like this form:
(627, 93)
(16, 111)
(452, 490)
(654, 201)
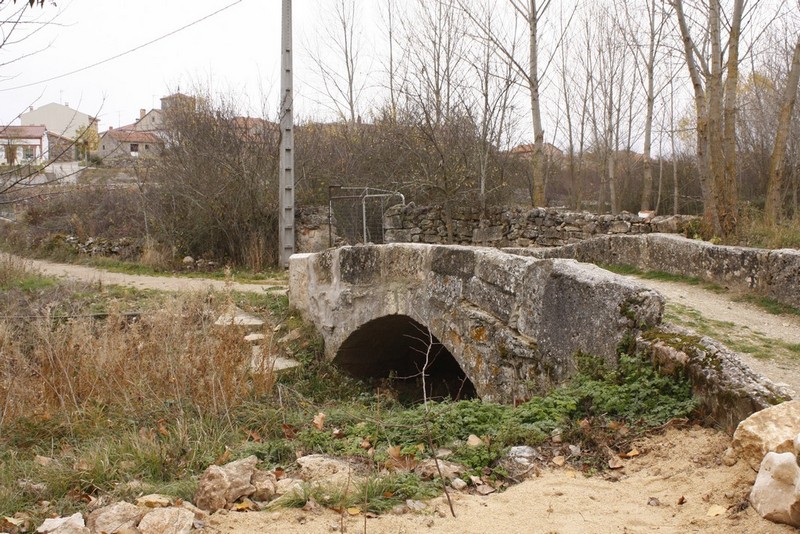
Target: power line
(129, 51)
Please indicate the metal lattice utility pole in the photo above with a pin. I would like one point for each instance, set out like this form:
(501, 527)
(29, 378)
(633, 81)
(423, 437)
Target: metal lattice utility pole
(286, 159)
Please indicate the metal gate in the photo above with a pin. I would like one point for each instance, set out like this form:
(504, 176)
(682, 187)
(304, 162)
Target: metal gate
(357, 213)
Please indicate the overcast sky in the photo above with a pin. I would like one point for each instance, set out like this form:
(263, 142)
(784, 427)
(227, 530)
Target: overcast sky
(235, 51)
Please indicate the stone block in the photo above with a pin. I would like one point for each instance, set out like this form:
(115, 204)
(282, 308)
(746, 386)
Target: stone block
(453, 261)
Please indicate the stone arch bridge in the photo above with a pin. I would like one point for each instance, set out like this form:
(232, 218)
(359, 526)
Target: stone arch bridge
(479, 321)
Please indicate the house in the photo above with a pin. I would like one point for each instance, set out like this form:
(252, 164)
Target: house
(60, 119)
(126, 142)
(23, 144)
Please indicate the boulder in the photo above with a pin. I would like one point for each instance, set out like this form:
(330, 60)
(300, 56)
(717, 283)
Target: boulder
(326, 470)
(265, 485)
(427, 469)
(771, 430)
(776, 492)
(167, 521)
(115, 517)
(222, 486)
(73, 523)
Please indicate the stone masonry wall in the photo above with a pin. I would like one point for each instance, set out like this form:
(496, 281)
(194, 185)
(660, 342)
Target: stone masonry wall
(518, 227)
(772, 273)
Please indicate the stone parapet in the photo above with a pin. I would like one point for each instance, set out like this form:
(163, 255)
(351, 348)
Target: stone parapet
(772, 273)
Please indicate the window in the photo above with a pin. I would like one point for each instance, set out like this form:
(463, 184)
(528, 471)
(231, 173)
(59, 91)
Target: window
(147, 147)
(29, 152)
(134, 149)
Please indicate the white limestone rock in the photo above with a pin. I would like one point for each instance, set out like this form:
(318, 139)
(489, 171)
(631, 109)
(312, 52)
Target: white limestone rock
(222, 486)
(62, 524)
(115, 517)
(776, 492)
(167, 521)
(771, 430)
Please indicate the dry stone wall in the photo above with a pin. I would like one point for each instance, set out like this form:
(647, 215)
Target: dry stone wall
(518, 227)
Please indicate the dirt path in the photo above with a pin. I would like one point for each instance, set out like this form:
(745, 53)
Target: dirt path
(769, 344)
(159, 283)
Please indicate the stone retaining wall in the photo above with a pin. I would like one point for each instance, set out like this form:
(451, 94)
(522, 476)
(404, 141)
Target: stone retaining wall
(518, 227)
(772, 273)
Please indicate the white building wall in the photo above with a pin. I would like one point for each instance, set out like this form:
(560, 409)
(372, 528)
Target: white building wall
(59, 119)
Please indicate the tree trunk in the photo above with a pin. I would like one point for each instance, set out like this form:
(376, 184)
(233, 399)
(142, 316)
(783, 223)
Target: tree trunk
(772, 209)
(539, 198)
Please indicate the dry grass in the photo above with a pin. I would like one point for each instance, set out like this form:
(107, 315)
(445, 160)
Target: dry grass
(171, 354)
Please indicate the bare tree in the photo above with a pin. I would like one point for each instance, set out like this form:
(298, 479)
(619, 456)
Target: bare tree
(341, 77)
(772, 209)
(714, 72)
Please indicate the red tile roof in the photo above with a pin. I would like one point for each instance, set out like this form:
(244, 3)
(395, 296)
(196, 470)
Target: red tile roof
(22, 132)
(132, 136)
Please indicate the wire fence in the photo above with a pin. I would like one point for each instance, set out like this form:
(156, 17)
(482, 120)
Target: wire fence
(357, 213)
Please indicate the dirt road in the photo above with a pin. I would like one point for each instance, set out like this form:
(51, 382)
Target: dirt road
(159, 283)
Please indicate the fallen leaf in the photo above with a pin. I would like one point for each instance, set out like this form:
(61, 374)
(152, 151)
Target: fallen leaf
(365, 444)
(289, 432)
(615, 463)
(223, 458)
(354, 510)
(632, 453)
(252, 434)
(244, 505)
(394, 452)
(338, 433)
(279, 473)
(161, 428)
(559, 460)
(319, 421)
(682, 500)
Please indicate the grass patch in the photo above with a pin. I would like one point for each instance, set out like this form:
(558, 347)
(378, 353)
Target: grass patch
(738, 338)
(769, 305)
(663, 277)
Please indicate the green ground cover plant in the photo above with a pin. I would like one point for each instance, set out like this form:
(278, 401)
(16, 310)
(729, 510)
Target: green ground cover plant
(115, 404)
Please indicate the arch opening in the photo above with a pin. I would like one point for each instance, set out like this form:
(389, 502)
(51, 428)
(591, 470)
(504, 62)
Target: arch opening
(393, 350)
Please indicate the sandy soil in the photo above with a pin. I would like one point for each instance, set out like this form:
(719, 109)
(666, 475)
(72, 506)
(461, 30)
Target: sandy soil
(678, 466)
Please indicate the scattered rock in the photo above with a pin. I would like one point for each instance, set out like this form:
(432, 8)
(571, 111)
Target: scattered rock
(771, 430)
(265, 485)
(776, 492)
(458, 484)
(254, 337)
(154, 501)
(75, 521)
(484, 489)
(416, 506)
(287, 486)
(167, 521)
(427, 469)
(474, 441)
(326, 470)
(222, 486)
(237, 316)
(560, 460)
(114, 517)
(188, 261)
